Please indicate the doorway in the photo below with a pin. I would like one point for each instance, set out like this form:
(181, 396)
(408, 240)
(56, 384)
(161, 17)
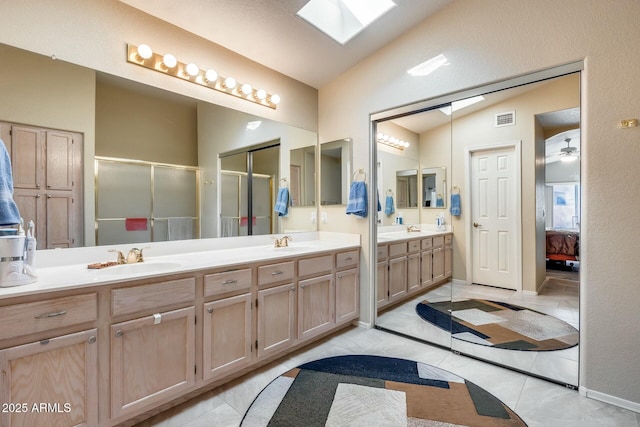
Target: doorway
(247, 191)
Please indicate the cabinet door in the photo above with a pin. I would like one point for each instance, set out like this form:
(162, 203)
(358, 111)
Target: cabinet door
(347, 295)
(397, 278)
(276, 319)
(59, 157)
(316, 306)
(426, 267)
(226, 335)
(59, 376)
(152, 360)
(448, 261)
(382, 292)
(438, 264)
(59, 220)
(26, 157)
(413, 272)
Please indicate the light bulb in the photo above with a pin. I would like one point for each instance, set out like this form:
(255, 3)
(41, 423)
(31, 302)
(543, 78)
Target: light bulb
(380, 135)
(568, 158)
(144, 51)
(192, 69)
(230, 82)
(246, 89)
(261, 94)
(169, 60)
(211, 76)
(275, 99)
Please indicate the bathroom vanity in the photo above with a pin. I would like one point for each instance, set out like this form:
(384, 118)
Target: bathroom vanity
(105, 347)
(410, 262)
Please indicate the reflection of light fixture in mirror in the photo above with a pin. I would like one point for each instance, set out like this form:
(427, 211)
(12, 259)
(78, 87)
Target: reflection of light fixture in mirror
(429, 66)
(144, 52)
(568, 153)
(254, 125)
(566, 158)
(457, 105)
(391, 141)
(143, 56)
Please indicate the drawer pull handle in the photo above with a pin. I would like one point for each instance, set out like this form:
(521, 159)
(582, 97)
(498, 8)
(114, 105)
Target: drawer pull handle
(119, 333)
(229, 282)
(92, 339)
(277, 273)
(44, 342)
(210, 310)
(48, 315)
(348, 259)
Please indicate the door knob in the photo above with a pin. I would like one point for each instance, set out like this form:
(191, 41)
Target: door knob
(475, 224)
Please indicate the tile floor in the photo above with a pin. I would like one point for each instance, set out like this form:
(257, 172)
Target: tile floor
(538, 402)
(558, 298)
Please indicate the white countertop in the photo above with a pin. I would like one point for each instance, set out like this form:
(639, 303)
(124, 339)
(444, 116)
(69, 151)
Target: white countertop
(62, 269)
(399, 232)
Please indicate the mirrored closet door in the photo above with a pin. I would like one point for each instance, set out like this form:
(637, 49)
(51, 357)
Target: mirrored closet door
(503, 171)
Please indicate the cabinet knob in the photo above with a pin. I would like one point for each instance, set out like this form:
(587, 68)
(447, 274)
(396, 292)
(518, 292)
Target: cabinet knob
(48, 185)
(210, 310)
(37, 196)
(293, 289)
(37, 185)
(48, 196)
(119, 333)
(92, 339)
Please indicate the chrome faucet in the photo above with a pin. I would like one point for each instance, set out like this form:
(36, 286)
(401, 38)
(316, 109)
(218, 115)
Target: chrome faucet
(282, 242)
(412, 228)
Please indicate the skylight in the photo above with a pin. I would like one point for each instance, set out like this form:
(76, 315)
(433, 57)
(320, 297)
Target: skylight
(457, 105)
(343, 19)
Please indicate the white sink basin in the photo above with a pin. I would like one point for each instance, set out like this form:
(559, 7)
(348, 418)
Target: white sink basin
(138, 268)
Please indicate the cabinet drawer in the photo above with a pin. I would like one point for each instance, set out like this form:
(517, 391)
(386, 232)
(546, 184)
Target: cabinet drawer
(397, 249)
(438, 241)
(227, 281)
(427, 243)
(274, 273)
(347, 259)
(414, 245)
(383, 252)
(315, 266)
(40, 316)
(153, 296)
(448, 239)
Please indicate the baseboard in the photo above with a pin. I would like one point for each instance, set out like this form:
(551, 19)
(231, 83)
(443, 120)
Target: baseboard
(607, 398)
(532, 293)
(361, 324)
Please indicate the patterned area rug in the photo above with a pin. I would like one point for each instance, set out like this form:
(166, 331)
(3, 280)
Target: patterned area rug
(375, 391)
(499, 325)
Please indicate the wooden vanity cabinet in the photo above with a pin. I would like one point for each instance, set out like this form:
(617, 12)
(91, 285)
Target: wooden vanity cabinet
(448, 256)
(227, 322)
(413, 266)
(152, 356)
(438, 259)
(397, 271)
(276, 308)
(347, 287)
(426, 262)
(382, 290)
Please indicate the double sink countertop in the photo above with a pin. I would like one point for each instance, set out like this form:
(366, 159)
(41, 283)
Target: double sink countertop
(64, 269)
(396, 233)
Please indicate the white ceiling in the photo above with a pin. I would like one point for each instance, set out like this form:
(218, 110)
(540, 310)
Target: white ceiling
(268, 32)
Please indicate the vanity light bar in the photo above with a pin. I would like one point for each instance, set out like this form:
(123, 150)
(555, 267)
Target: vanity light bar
(391, 141)
(168, 64)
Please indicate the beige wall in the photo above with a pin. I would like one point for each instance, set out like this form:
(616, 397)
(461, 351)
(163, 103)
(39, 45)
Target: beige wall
(490, 40)
(131, 125)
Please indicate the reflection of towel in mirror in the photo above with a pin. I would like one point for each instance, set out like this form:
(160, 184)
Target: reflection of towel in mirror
(357, 204)
(439, 202)
(9, 214)
(455, 205)
(179, 228)
(282, 202)
(388, 205)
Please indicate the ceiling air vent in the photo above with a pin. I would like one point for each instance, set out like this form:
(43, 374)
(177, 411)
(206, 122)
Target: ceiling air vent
(505, 119)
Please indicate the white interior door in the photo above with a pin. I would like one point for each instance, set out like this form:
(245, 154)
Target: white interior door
(495, 214)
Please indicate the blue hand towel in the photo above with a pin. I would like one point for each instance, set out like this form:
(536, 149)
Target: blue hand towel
(388, 205)
(9, 214)
(455, 205)
(282, 202)
(357, 203)
(378, 199)
(440, 202)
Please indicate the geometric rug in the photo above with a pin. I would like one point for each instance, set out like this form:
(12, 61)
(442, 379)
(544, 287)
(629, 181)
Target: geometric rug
(373, 391)
(499, 325)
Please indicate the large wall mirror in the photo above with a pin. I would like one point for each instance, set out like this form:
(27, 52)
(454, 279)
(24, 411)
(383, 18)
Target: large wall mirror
(511, 152)
(335, 171)
(133, 130)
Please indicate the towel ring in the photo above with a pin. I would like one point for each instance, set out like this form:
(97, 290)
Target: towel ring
(360, 172)
(285, 182)
(389, 192)
(455, 190)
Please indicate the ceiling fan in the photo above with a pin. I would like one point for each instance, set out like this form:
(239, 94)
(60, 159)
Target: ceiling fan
(568, 153)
